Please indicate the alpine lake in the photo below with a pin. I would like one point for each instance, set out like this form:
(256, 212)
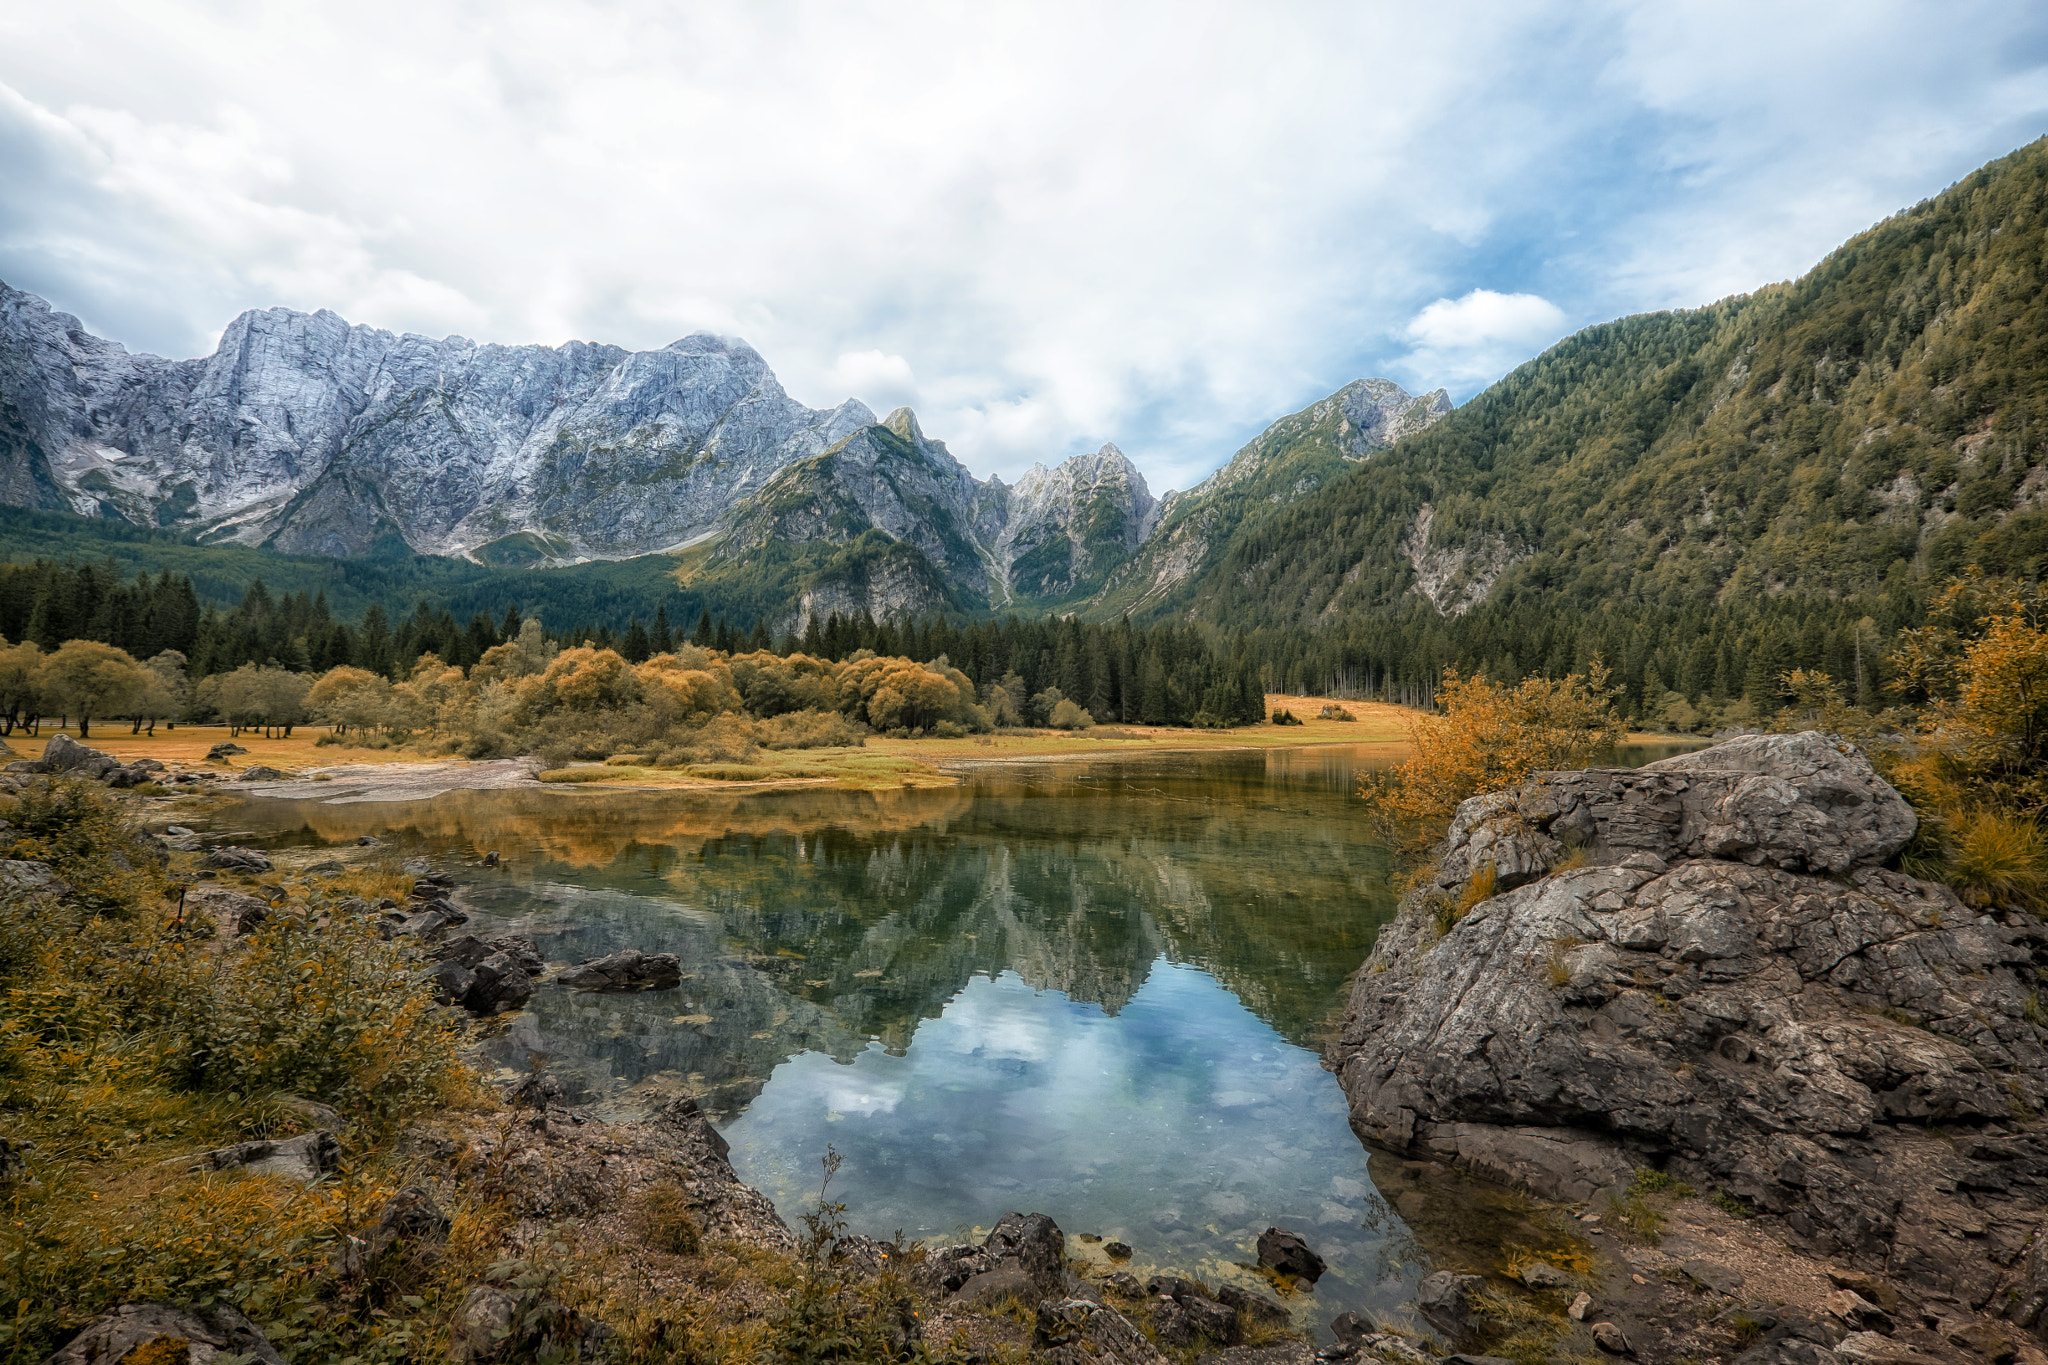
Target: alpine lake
(1094, 989)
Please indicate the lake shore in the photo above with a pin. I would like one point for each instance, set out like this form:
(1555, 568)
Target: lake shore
(343, 773)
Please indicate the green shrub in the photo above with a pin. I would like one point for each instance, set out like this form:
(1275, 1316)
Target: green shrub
(665, 1219)
(332, 1014)
(811, 730)
(1649, 1181)
(597, 774)
(78, 829)
(2001, 857)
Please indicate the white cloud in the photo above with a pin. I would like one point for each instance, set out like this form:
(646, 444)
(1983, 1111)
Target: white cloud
(1048, 224)
(1471, 341)
(880, 380)
(1484, 318)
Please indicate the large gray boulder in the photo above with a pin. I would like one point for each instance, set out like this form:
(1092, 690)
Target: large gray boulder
(1084, 1332)
(1802, 802)
(24, 877)
(1696, 998)
(63, 754)
(304, 1158)
(206, 1333)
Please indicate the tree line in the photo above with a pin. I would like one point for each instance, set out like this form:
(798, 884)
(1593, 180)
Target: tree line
(1687, 667)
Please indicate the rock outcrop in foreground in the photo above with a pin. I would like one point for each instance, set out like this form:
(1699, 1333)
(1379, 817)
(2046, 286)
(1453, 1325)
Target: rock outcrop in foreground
(1706, 966)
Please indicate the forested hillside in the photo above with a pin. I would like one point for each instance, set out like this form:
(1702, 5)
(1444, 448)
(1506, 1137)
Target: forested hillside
(1875, 424)
(1290, 459)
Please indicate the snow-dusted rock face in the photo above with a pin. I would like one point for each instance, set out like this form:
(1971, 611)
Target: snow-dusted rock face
(304, 432)
(1070, 526)
(313, 436)
(316, 437)
(989, 542)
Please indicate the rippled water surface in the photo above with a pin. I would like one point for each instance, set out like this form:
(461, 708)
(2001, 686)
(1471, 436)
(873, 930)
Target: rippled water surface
(1093, 989)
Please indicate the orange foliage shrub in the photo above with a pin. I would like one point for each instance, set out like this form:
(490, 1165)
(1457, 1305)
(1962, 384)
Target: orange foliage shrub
(1488, 736)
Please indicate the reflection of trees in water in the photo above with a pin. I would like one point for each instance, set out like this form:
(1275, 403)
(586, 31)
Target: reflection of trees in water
(718, 1034)
(819, 918)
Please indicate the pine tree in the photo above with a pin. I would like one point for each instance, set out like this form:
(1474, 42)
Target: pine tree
(637, 647)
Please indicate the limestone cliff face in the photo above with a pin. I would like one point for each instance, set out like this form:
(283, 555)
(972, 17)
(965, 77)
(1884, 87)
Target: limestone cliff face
(313, 436)
(1069, 527)
(1055, 535)
(306, 433)
(1728, 983)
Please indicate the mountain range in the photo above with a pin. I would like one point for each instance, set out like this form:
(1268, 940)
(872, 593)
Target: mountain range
(304, 434)
(1845, 438)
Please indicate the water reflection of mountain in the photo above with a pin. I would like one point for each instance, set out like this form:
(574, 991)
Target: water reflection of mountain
(820, 919)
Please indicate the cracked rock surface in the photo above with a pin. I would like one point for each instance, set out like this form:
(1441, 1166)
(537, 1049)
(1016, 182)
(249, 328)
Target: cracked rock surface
(1728, 984)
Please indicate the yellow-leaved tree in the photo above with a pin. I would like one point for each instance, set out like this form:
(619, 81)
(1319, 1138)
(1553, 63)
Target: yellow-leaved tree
(87, 678)
(1487, 736)
(1978, 774)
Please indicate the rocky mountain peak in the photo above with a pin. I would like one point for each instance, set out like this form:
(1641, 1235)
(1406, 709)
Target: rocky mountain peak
(1378, 412)
(313, 435)
(903, 422)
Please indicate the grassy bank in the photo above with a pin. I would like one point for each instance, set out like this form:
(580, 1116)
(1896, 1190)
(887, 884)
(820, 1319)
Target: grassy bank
(881, 763)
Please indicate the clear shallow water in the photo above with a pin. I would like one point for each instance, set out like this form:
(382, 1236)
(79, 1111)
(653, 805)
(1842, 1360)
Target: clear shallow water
(1183, 1125)
(1094, 989)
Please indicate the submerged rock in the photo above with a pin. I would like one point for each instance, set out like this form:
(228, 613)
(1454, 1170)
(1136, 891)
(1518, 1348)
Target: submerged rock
(630, 970)
(1285, 1252)
(1543, 1275)
(1445, 1300)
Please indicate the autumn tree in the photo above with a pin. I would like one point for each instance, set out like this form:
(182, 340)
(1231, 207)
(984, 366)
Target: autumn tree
(21, 668)
(87, 679)
(1487, 736)
(164, 695)
(256, 696)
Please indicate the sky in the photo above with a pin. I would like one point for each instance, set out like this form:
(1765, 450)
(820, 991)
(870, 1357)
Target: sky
(1043, 225)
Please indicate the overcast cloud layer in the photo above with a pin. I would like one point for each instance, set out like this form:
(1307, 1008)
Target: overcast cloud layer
(1044, 226)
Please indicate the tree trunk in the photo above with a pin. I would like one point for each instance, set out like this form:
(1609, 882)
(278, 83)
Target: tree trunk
(84, 726)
